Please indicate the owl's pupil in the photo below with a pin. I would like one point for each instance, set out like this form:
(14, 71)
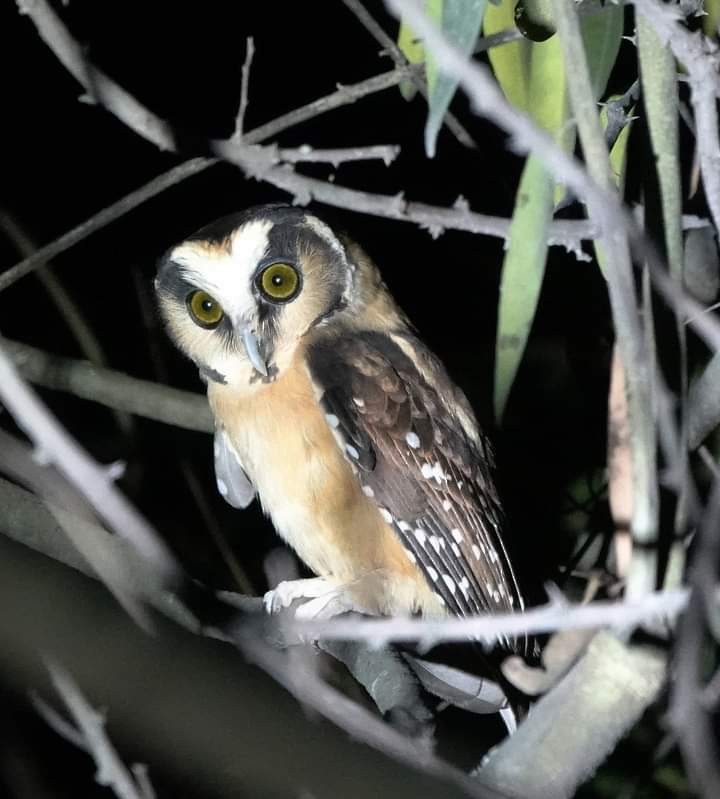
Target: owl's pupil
(207, 306)
(277, 280)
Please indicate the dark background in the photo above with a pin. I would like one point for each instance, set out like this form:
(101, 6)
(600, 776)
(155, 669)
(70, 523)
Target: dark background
(64, 160)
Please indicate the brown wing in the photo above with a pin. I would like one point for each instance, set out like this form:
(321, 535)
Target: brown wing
(428, 473)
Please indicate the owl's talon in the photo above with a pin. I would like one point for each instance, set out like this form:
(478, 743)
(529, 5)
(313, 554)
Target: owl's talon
(333, 603)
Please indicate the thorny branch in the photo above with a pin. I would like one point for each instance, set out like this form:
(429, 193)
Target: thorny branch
(111, 771)
(566, 233)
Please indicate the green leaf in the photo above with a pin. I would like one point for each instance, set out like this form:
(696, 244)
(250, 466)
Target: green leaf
(658, 76)
(712, 19)
(522, 275)
(602, 35)
(412, 48)
(618, 163)
(461, 21)
(532, 77)
(511, 62)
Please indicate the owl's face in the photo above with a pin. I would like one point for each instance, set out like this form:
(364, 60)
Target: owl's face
(239, 295)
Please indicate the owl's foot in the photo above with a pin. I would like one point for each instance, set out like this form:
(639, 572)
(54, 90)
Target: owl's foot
(288, 591)
(332, 603)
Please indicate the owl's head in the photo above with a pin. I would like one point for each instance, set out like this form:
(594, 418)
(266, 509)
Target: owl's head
(238, 295)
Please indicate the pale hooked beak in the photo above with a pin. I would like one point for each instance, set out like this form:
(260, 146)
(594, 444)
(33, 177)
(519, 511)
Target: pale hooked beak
(252, 348)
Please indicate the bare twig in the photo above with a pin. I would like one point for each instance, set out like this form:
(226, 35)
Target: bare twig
(344, 95)
(57, 723)
(338, 155)
(68, 309)
(244, 85)
(627, 614)
(103, 218)
(111, 771)
(113, 389)
(93, 481)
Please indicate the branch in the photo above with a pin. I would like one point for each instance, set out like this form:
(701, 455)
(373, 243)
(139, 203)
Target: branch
(338, 155)
(244, 84)
(103, 218)
(95, 483)
(625, 615)
(111, 771)
(579, 722)
(111, 388)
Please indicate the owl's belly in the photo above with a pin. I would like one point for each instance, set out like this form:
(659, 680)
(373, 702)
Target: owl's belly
(314, 499)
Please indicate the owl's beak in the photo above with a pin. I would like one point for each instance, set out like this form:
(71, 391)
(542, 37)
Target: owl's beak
(252, 348)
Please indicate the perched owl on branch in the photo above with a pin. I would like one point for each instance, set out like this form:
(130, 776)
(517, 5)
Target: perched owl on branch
(361, 449)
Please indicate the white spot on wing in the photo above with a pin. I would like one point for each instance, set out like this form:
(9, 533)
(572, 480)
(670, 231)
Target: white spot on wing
(465, 586)
(432, 573)
(438, 473)
(413, 440)
(332, 420)
(476, 551)
(456, 550)
(359, 401)
(420, 536)
(404, 526)
(385, 513)
(435, 543)
(447, 505)
(367, 490)
(427, 471)
(450, 583)
(411, 556)
(351, 451)
(457, 535)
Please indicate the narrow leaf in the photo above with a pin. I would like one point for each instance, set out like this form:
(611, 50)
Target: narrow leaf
(461, 20)
(511, 62)
(412, 48)
(702, 266)
(711, 20)
(658, 76)
(522, 275)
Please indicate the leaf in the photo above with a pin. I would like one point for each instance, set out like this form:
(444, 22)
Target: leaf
(412, 48)
(711, 20)
(522, 275)
(511, 62)
(702, 266)
(658, 77)
(532, 76)
(602, 35)
(461, 21)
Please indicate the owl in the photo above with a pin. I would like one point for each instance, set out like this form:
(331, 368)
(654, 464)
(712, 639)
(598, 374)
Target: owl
(331, 410)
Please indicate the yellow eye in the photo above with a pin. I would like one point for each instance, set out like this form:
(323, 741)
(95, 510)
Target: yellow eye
(205, 311)
(279, 282)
